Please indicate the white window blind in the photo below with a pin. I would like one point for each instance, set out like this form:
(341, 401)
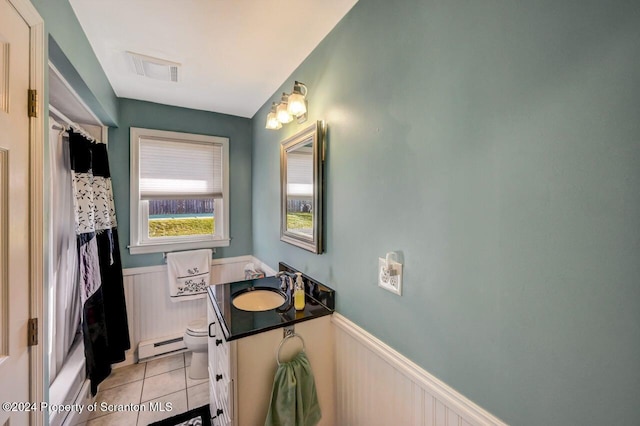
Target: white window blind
(198, 176)
(300, 174)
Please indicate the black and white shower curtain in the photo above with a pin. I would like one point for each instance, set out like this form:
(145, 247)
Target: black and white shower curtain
(104, 315)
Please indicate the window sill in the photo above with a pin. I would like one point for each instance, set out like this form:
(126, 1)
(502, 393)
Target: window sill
(174, 246)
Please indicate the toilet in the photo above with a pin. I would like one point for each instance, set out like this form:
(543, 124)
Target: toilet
(195, 338)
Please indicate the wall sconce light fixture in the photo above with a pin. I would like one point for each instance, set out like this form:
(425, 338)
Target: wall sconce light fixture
(290, 106)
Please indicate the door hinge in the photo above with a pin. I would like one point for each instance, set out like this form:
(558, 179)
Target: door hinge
(32, 337)
(32, 107)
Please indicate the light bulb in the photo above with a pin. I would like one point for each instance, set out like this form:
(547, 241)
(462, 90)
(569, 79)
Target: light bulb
(283, 115)
(296, 105)
(272, 119)
(281, 110)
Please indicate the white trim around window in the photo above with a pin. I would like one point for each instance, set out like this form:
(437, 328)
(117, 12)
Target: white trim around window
(218, 189)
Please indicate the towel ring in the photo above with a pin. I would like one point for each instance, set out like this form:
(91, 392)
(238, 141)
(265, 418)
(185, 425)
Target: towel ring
(289, 336)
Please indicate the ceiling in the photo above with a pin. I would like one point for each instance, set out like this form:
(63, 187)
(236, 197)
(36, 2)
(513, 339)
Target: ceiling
(233, 54)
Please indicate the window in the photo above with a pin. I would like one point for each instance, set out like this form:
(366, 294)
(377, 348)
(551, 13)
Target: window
(179, 191)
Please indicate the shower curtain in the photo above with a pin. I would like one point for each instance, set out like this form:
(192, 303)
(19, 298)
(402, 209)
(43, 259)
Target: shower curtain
(104, 317)
(64, 297)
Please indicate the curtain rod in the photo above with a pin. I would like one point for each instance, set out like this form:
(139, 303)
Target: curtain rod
(70, 123)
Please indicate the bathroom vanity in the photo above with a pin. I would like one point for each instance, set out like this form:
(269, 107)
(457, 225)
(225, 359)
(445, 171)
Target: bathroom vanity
(243, 347)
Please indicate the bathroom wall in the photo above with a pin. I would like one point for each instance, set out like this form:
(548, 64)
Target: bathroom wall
(163, 117)
(496, 146)
(71, 53)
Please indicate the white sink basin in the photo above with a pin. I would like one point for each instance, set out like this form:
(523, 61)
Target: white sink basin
(259, 299)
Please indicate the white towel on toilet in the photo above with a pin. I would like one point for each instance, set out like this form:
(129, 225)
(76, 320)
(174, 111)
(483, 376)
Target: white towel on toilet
(189, 273)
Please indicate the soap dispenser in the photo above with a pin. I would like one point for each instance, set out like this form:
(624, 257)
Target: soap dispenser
(298, 293)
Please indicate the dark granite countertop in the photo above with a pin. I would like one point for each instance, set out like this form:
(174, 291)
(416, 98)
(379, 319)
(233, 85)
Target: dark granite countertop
(237, 323)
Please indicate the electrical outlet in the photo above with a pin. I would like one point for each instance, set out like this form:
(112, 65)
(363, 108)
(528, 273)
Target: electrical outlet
(390, 276)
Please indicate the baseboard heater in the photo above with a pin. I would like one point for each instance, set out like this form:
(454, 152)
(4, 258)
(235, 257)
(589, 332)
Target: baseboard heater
(161, 346)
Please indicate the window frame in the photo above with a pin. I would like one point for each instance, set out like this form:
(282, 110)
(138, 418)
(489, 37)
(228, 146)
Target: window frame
(139, 242)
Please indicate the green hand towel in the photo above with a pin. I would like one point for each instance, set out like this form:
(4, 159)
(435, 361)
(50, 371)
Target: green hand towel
(294, 401)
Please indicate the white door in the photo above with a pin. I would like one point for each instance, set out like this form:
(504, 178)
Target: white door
(14, 214)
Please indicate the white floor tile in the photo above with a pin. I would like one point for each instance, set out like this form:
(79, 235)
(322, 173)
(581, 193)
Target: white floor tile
(119, 418)
(197, 396)
(124, 394)
(163, 407)
(162, 365)
(120, 376)
(192, 382)
(163, 384)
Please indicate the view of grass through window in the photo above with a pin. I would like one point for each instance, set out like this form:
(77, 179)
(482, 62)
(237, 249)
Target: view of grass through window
(299, 215)
(298, 221)
(175, 218)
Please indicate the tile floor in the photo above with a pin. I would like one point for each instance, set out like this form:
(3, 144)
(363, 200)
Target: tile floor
(163, 380)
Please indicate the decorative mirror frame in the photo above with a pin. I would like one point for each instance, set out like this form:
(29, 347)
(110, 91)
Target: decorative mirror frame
(315, 133)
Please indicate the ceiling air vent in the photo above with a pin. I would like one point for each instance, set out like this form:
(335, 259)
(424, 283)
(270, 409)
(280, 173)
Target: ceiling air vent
(155, 68)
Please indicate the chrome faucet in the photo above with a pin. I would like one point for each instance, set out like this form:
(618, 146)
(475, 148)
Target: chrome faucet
(286, 285)
(286, 281)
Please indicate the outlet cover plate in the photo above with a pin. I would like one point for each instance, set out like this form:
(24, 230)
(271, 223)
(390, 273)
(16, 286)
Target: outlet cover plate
(391, 279)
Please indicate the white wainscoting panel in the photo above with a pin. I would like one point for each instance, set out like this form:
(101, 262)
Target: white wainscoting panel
(376, 385)
(153, 315)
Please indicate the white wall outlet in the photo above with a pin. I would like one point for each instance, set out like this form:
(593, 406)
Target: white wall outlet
(390, 276)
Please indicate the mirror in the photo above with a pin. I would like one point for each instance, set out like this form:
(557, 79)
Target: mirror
(301, 177)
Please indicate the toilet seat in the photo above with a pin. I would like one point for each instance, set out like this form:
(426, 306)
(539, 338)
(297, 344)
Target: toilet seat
(197, 328)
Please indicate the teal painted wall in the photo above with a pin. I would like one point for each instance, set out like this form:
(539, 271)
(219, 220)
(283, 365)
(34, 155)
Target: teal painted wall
(71, 53)
(496, 145)
(163, 117)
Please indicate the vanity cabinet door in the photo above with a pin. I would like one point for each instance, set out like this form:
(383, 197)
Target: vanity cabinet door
(222, 375)
(211, 354)
(220, 379)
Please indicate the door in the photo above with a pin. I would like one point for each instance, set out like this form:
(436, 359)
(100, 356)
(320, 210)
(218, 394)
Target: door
(14, 214)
